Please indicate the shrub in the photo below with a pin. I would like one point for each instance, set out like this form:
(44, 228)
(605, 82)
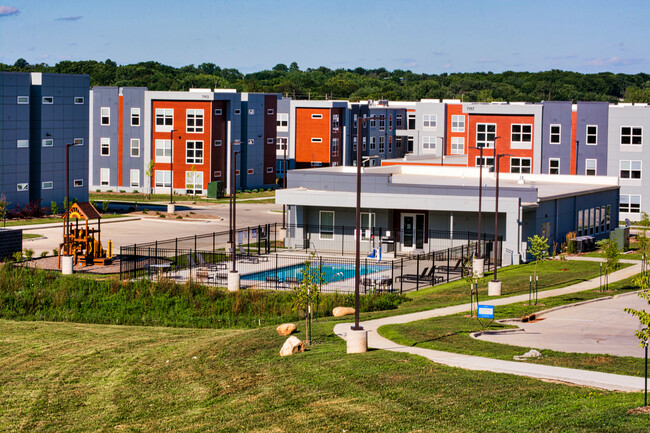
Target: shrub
(55, 252)
(105, 204)
(145, 211)
(44, 254)
(54, 208)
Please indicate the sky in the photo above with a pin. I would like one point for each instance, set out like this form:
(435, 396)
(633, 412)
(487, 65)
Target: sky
(432, 36)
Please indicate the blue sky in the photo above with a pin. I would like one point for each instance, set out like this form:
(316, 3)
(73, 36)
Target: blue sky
(424, 36)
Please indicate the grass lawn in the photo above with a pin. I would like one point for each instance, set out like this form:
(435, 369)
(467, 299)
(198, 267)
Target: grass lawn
(71, 377)
(31, 236)
(144, 198)
(451, 334)
(58, 220)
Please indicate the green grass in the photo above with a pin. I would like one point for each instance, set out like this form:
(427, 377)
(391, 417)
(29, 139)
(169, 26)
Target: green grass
(144, 198)
(451, 334)
(76, 378)
(58, 220)
(31, 236)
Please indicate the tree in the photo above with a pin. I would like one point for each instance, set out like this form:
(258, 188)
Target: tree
(643, 241)
(538, 248)
(3, 208)
(612, 257)
(307, 294)
(149, 174)
(643, 283)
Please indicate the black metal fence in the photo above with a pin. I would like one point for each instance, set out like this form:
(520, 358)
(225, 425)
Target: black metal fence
(263, 262)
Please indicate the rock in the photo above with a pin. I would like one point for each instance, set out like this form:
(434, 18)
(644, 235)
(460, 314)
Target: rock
(532, 353)
(286, 329)
(342, 311)
(291, 346)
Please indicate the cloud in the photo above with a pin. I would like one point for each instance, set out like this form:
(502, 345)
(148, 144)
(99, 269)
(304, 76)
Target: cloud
(486, 60)
(447, 65)
(613, 61)
(5, 11)
(406, 61)
(75, 18)
(567, 57)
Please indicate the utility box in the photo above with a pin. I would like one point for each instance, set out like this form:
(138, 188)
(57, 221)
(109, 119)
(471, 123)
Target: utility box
(622, 237)
(11, 242)
(216, 190)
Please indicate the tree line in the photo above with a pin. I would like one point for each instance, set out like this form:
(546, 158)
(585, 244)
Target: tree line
(360, 83)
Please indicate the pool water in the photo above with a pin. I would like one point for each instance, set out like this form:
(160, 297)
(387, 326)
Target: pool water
(331, 272)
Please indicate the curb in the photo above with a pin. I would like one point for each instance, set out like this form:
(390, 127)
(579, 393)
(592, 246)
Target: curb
(501, 331)
(589, 301)
(55, 225)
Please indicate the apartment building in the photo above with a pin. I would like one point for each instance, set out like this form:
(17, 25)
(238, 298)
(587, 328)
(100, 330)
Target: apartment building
(148, 140)
(40, 114)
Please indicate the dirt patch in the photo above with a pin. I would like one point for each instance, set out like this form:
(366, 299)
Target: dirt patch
(641, 410)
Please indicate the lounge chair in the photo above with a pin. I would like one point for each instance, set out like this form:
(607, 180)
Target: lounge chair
(457, 268)
(292, 281)
(211, 266)
(245, 257)
(414, 277)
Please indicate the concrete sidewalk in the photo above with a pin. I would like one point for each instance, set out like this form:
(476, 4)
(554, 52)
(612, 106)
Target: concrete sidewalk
(613, 382)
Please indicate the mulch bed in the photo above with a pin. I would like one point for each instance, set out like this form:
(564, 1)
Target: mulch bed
(52, 264)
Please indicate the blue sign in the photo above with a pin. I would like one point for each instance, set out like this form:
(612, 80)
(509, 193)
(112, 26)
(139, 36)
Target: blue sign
(485, 311)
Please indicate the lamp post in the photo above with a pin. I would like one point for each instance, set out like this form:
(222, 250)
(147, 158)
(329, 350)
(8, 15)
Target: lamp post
(284, 186)
(480, 196)
(233, 276)
(494, 286)
(171, 207)
(67, 262)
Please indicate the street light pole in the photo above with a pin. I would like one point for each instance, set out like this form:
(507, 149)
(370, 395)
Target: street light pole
(496, 212)
(171, 166)
(284, 186)
(357, 236)
(233, 210)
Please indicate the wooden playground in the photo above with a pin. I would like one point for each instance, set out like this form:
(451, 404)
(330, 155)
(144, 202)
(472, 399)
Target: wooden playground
(84, 242)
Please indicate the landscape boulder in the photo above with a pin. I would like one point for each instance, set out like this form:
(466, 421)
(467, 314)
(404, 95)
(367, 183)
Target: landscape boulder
(342, 311)
(286, 329)
(532, 353)
(291, 346)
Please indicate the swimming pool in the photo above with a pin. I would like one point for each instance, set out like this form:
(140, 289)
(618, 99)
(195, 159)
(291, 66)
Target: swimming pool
(331, 272)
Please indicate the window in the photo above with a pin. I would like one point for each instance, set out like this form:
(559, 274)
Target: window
(519, 165)
(218, 111)
(78, 141)
(390, 122)
(390, 144)
(135, 117)
(282, 121)
(373, 123)
(237, 111)
(48, 142)
(354, 143)
(281, 143)
(382, 144)
(411, 121)
(398, 121)
(457, 145)
(134, 178)
(194, 152)
(251, 171)
(217, 173)
(592, 135)
(335, 147)
(373, 143)
(47, 185)
(363, 144)
(630, 170)
(630, 203)
(382, 124)
(269, 169)
(398, 142)
(79, 100)
(237, 172)
(105, 146)
(193, 182)
(22, 99)
(105, 113)
(270, 141)
(316, 140)
(554, 166)
(270, 111)
(22, 187)
(48, 100)
(354, 121)
(555, 136)
(429, 144)
(78, 182)
(217, 143)
(367, 225)
(316, 116)
(135, 147)
(251, 111)
(163, 178)
(521, 136)
(335, 122)
(430, 121)
(316, 164)
(590, 167)
(409, 144)
(251, 141)
(326, 224)
(104, 176)
(580, 222)
(607, 217)
(487, 161)
(194, 121)
(486, 133)
(163, 151)
(164, 119)
(632, 135)
(22, 143)
(457, 123)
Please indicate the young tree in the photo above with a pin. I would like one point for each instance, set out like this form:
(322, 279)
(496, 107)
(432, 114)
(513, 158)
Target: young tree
(3, 208)
(643, 282)
(29, 253)
(643, 241)
(538, 248)
(149, 174)
(612, 257)
(307, 294)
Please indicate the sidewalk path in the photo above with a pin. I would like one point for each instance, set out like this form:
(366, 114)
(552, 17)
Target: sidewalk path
(613, 382)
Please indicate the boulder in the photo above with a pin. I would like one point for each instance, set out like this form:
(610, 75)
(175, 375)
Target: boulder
(286, 329)
(342, 311)
(291, 346)
(532, 353)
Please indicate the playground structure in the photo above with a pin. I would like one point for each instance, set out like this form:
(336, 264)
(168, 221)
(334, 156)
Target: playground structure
(80, 242)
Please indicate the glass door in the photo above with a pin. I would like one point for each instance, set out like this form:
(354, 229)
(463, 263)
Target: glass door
(408, 231)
